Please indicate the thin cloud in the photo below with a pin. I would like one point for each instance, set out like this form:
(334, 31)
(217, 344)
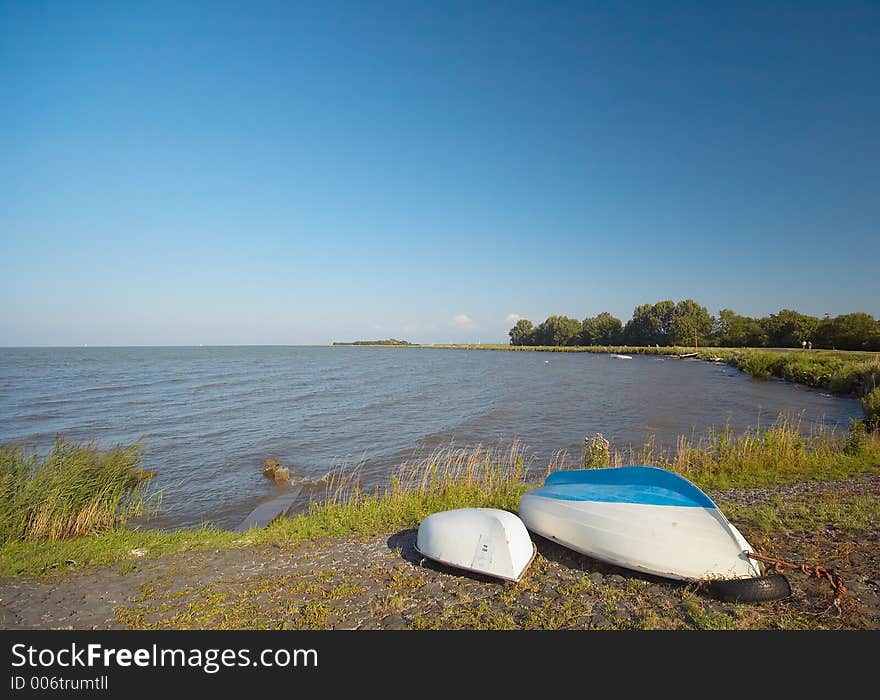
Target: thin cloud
(513, 318)
(463, 321)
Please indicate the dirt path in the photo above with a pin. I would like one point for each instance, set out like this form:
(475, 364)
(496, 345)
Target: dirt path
(383, 583)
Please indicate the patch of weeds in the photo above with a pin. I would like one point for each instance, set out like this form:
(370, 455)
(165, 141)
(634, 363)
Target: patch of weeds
(706, 619)
(852, 512)
(346, 589)
(650, 620)
(560, 613)
(387, 605)
(128, 567)
(312, 615)
(423, 622)
(402, 580)
(147, 591)
(476, 617)
(323, 575)
(582, 586)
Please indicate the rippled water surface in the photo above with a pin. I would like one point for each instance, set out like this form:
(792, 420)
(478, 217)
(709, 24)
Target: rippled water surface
(209, 416)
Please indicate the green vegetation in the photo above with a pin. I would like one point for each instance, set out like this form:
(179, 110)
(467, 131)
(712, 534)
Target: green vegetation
(452, 478)
(75, 490)
(857, 513)
(389, 341)
(595, 453)
(295, 601)
(687, 323)
(849, 373)
(871, 404)
(775, 455)
(449, 478)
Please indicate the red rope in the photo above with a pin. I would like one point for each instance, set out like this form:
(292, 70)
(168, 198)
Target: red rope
(820, 572)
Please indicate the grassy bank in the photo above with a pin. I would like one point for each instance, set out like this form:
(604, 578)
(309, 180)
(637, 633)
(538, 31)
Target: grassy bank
(457, 477)
(835, 370)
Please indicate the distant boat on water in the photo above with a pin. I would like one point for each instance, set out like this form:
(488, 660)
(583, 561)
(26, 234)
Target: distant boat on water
(622, 357)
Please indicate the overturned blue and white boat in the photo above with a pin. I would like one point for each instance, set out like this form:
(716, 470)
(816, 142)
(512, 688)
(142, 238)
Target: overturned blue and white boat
(642, 518)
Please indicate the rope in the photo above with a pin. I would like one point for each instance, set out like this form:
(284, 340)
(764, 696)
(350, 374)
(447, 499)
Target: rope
(820, 572)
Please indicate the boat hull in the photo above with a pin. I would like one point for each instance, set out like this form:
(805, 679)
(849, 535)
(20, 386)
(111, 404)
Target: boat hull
(665, 528)
(481, 540)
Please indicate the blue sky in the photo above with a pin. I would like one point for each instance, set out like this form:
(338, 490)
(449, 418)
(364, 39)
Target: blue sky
(276, 172)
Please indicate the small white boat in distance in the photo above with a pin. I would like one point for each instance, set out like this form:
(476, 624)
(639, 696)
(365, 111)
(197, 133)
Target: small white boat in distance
(642, 518)
(622, 357)
(483, 540)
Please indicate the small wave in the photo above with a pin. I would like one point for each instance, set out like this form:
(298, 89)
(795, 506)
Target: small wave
(305, 483)
(112, 388)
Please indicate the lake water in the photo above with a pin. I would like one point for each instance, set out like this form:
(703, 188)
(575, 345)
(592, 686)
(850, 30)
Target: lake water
(209, 416)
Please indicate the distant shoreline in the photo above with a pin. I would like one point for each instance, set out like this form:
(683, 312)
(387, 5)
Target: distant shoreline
(381, 343)
(845, 372)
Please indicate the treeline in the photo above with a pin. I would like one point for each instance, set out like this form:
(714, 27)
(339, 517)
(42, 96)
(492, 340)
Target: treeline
(685, 322)
(388, 341)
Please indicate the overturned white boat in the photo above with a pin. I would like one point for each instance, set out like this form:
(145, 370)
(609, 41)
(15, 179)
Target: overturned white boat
(482, 540)
(642, 518)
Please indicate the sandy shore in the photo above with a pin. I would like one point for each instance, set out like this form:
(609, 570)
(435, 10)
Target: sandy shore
(383, 583)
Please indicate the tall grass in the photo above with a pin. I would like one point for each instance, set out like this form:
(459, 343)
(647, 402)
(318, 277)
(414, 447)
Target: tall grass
(871, 404)
(496, 477)
(450, 477)
(76, 489)
(780, 453)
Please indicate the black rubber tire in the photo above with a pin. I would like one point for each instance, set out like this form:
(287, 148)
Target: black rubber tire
(760, 589)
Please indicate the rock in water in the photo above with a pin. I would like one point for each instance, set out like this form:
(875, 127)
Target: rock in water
(269, 467)
(282, 475)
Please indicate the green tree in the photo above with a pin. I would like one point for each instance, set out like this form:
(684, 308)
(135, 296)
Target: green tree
(650, 324)
(603, 329)
(559, 330)
(522, 333)
(858, 331)
(789, 328)
(734, 331)
(690, 320)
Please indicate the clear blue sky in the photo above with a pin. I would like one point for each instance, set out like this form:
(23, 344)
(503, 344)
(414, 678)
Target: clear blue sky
(283, 172)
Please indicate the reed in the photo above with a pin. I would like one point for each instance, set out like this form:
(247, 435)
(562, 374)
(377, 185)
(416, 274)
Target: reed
(75, 490)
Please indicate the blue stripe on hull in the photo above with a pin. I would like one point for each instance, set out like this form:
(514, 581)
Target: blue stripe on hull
(643, 485)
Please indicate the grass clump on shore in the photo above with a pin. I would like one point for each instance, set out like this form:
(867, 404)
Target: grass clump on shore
(75, 490)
